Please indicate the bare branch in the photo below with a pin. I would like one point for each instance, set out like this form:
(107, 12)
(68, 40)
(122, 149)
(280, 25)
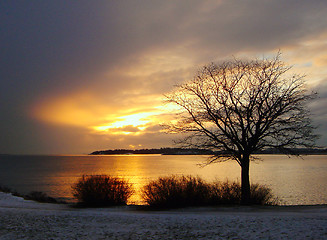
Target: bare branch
(239, 107)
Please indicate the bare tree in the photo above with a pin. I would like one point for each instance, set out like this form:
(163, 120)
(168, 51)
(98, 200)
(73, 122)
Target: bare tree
(239, 107)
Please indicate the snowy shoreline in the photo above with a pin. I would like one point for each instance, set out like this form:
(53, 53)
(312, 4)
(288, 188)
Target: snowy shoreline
(22, 219)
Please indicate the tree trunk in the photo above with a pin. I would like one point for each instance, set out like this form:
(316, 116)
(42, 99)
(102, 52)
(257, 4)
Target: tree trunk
(245, 181)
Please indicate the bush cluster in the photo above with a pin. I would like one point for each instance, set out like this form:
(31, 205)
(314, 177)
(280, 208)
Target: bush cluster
(181, 191)
(165, 192)
(262, 195)
(225, 193)
(102, 190)
(176, 191)
(230, 193)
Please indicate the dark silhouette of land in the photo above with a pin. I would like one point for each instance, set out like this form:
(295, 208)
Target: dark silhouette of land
(196, 151)
(163, 151)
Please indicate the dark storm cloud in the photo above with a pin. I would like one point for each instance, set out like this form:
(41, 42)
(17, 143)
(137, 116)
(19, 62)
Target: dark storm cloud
(55, 48)
(264, 24)
(52, 40)
(49, 43)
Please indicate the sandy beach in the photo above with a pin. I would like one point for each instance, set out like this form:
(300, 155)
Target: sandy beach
(22, 219)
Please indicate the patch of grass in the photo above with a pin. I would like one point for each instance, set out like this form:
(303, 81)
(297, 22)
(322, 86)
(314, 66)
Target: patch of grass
(102, 191)
(5, 189)
(40, 197)
(9, 190)
(187, 191)
(34, 195)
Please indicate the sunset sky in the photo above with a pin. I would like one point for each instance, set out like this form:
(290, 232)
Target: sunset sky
(80, 76)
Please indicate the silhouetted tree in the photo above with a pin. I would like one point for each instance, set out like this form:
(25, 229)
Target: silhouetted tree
(239, 107)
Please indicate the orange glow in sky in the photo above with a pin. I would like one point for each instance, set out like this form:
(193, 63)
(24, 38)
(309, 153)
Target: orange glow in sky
(137, 122)
(82, 110)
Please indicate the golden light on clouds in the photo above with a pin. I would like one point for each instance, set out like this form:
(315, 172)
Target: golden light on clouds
(79, 109)
(133, 124)
(132, 106)
(309, 57)
(86, 111)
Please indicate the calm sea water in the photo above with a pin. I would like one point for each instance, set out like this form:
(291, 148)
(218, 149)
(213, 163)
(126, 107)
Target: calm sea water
(294, 180)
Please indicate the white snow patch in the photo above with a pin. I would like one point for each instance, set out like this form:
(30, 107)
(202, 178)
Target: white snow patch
(21, 219)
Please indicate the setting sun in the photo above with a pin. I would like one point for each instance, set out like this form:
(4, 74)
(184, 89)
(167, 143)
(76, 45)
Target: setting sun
(129, 124)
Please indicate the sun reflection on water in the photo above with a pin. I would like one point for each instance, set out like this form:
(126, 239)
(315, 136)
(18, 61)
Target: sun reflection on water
(295, 181)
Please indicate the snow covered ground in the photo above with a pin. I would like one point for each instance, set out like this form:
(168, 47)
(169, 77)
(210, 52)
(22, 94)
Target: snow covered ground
(21, 219)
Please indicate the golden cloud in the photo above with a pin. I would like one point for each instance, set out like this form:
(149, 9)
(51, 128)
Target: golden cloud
(87, 110)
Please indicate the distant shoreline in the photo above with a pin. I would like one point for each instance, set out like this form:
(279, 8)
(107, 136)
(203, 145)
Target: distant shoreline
(195, 151)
